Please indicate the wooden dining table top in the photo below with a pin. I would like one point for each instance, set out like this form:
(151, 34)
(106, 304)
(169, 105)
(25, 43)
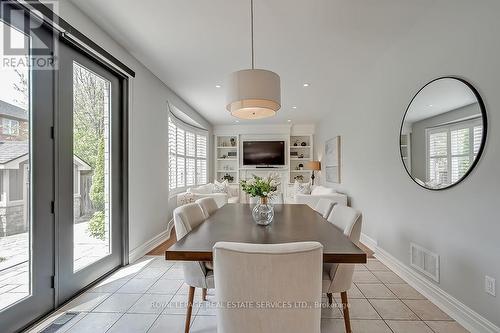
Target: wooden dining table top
(292, 223)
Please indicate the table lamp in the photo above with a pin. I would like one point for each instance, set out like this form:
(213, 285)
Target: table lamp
(314, 166)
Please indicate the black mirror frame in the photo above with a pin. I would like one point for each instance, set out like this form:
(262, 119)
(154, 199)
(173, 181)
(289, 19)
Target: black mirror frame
(483, 139)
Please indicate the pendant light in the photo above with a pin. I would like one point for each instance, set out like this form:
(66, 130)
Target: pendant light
(253, 93)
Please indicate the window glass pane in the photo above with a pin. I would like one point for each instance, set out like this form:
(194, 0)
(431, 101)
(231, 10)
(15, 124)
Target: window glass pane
(460, 142)
(172, 162)
(190, 171)
(15, 163)
(190, 144)
(91, 107)
(438, 170)
(438, 143)
(201, 171)
(459, 166)
(181, 180)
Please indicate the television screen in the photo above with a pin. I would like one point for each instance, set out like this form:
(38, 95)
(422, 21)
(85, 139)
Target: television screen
(264, 153)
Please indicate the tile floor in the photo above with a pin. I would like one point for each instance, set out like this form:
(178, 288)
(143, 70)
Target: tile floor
(149, 296)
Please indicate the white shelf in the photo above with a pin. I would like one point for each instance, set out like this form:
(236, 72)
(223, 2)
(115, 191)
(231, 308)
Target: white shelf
(298, 171)
(227, 147)
(233, 171)
(227, 159)
(300, 147)
(300, 159)
(264, 169)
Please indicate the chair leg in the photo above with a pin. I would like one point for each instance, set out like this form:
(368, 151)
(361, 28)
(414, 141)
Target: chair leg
(330, 298)
(189, 308)
(345, 307)
(204, 294)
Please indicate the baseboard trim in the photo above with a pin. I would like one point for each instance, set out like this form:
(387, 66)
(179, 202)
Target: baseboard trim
(460, 312)
(154, 242)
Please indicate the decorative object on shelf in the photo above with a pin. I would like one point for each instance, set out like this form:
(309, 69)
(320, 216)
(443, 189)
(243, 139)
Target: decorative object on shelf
(301, 156)
(228, 177)
(223, 144)
(314, 166)
(303, 144)
(332, 160)
(296, 143)
(265, 189)
(301, 166)
(233, 142)
(299, 178)
(294, 154)
(253, 93)
(223, 156)
(231, 154)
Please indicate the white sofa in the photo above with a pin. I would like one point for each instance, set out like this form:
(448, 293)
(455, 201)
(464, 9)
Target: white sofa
(207, 191)
(320, 192)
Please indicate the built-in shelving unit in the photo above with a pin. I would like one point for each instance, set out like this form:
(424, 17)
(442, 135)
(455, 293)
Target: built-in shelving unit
(300, 152)
(405, 145)
(226, 158)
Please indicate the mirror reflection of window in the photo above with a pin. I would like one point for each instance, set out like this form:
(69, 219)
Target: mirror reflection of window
(442, 133)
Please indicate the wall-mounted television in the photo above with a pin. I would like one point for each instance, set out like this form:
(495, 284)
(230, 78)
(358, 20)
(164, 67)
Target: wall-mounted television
(264, 153)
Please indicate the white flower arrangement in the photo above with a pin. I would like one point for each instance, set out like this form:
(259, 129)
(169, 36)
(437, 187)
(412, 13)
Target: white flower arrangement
(262, 187)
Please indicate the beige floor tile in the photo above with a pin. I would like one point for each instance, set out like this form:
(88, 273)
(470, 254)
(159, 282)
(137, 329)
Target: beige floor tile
(360, 267)
(393, 309)
(332, 311)
(446, 327)
(376, 290)
(364, 277)
(426, 310)
(375, 265)
(404, 291)
(354, 292)
(361, 309)
(388, 277)
(358, 326)
(400, 326)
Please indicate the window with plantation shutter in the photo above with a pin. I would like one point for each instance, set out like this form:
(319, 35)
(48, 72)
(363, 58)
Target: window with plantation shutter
(451, 150)
(187, 155)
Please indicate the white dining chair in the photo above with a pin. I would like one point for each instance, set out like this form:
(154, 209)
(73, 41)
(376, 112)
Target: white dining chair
(277, 199)
(324, 207)
(196, 274)
(337, 278)
(208, 206)
(260, 276)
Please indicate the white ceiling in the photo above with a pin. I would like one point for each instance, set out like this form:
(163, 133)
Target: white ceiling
(439, 97)
(192, 45)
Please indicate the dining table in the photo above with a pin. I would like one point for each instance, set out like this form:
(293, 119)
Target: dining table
(291, 223)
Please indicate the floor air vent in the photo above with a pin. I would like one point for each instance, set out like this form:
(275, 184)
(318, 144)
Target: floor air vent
(424, 261)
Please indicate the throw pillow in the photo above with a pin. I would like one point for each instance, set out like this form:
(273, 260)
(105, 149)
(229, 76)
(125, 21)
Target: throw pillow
(220, 187)
(302, 188)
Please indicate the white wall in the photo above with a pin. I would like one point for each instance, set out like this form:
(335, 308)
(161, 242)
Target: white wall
(148, 163)
(461, 224)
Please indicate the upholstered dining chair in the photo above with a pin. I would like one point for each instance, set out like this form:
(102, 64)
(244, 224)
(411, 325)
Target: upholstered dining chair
(265, 281)
(337, 278)
(324, 207)
(196, 274)
(208, 206)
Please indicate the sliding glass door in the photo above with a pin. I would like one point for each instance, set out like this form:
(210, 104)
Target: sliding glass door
(89, 220)
(26, 170)
(61, 169)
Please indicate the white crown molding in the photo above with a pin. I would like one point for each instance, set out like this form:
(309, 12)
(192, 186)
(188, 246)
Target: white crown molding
(460, 312)
(154, 242)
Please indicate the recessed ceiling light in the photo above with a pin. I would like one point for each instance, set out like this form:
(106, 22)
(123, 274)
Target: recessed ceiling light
(294, 107)
(289, 120)
(306, 84)
(217, 86)
(431, 105)
(236, 121)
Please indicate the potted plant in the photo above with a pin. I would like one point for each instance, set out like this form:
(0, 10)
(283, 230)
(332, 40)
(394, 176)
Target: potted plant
(228, 177)
(265, 189)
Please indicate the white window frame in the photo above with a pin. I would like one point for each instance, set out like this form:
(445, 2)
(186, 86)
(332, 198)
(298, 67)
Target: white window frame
(448, 128)
(10, 127)
(179, 124)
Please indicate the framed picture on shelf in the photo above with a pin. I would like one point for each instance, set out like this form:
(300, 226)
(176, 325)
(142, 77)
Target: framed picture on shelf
(332, 160)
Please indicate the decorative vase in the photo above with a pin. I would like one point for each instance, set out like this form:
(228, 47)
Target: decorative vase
(263, 212)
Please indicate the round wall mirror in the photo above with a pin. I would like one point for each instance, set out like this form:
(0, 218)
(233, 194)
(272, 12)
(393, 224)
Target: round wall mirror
(443, 133)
